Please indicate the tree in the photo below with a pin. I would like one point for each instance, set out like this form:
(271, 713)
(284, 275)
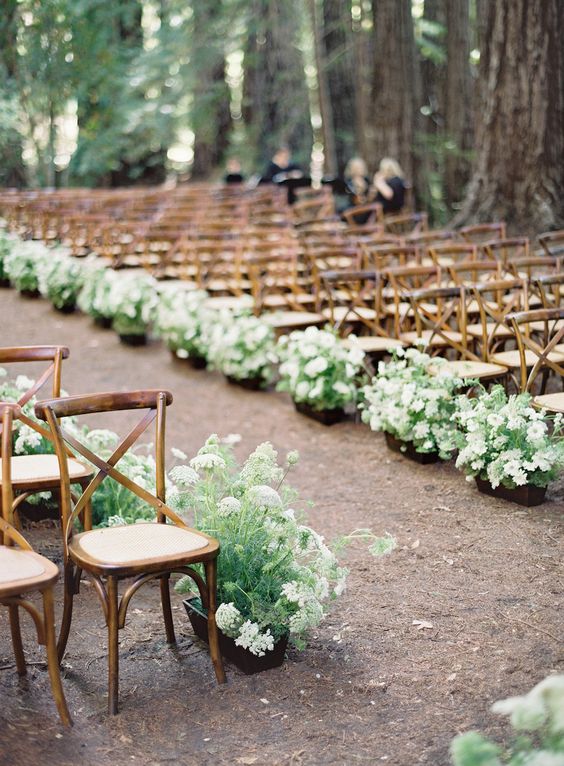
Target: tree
(12, 170)
(395, 93)
(275, 97)
(518, 173)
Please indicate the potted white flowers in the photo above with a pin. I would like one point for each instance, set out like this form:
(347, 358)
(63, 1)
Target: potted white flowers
(21, 266)
(242, 347)
(132, 300)
(412, 400)
(276, 576)
(6, 244)
(94, 296)
(60, 279)
(180, 318)
(321, 375)
(507, 446)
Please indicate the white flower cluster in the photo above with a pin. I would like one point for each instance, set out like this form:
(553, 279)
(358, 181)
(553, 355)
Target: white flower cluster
(60, 278)
(318, 369)
(240, 345)
(412, 397)
(132, 300)
(261, 467)
(94, 298)
(246, 633)
(23, 261)
(504, 440)
(180, 317)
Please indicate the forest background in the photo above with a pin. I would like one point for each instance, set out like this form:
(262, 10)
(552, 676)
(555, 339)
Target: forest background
(467, 94)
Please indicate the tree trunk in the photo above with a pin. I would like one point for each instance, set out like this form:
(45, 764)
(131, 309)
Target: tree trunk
(12, 170)
(395, 98)
(325, 101)
(362, 59)
(275, 98)
(518, 170)
(343, 91)
(458, 101)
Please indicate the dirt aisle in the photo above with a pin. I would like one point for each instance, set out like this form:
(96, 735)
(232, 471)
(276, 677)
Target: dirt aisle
(372, 687)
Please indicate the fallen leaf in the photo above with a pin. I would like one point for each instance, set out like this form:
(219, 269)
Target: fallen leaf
(422, 624)
(414, 545)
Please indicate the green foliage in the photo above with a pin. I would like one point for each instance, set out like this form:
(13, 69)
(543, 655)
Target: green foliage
(23, 263)
(538, 721)
(60, 279)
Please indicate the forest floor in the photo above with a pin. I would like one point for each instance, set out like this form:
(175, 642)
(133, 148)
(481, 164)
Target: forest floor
(482, 575)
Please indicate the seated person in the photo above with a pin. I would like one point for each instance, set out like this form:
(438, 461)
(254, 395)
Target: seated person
(280, 168)
(233, 172)
(357, 181)
(389, 186)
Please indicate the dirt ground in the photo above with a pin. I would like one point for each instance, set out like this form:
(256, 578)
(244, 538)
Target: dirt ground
(372, 687)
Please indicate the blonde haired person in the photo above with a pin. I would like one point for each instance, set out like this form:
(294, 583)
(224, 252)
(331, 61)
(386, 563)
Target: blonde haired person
(389, 185)
(357, 180)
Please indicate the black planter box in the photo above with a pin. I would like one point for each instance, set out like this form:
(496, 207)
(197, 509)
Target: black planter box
(251, 384)
(30, 293)
(327, 417)
(133, 340)
(105, 322)
(243, 659)
(527, 495)
(408, 450)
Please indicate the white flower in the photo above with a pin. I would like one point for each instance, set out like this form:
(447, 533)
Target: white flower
(228, 505)
(207, 462)
(341, 388)
(232, 439)
(264, 496)
(184, 475)
(177, 453)
(252, 639)
(292, 457)
(23, 382)
(315, 366)
(228, 618)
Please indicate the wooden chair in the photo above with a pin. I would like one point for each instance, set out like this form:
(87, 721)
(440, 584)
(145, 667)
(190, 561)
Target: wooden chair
(40, 473)
(441, 323)
(550, 290)
(22, 571)
(450, 253)
(483, 232)
(141, 551)
(541, 354)
(552, 242)
(506, 250)
(360, 216)
(406, 223)
(401, 281)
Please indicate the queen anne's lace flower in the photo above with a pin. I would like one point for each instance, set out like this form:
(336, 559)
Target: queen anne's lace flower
(184, 475)
(228, 619)
(228, 505)
(251, 638)
(207, 462)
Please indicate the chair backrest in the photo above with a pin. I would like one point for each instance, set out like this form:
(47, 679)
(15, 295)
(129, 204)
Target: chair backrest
(442, 311)
(52, 354)
(357, 293)
(533, 266)
(9, 535)
(540, 339)
(360, 215)
(449, 253)
(496, 301)
(483, 232)
(467, 272)
(406, 223)
(550, 290)
(506, 250)
(552, 242)
(154, 401)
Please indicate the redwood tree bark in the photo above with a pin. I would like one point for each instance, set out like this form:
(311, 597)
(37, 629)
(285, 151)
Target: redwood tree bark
(458, 99)
(518, 170)
(395, 94)
(339, 63)
(275, 98)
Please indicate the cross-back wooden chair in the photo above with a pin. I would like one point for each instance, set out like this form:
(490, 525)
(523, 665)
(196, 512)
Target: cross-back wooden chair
(549, 289)
(399, 282)
(40, 473)
(140, 551)
(432, 237)
(542, 354)
(361, 216)
(22, 572)
(495, 301)
(355, 306)
(441, 321)
(470, 272)
(552, 242)
(483, 232)
(506, 250)
(449, 253)
(378, 256)
(406, 223)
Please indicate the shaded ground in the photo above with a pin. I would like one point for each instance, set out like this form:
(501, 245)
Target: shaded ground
(371, 687)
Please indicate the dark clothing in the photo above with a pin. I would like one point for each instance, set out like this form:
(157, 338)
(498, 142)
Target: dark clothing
(395, 204)
(273, 170)
(233, 178)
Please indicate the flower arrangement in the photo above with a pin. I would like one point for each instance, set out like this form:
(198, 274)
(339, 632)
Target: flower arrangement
(132, 301)
(180, 318)
(538, 721)
(413, 398)
(22, 263)
(275, 575)
(6, 244)
(241, 346)
(94, 296)
(60, 279)
(318, 370)
(505, 441)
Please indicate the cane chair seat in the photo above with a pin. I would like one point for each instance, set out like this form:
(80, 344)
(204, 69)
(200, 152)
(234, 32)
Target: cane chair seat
(22, 571)
(282, 300)
(230, 302)
(44, 470)
(371, 344)
(463, 368)
(512, 358)
(293, 319)
(349, 313)
(431, 338)
(551, 402)
(501, 331)
(135, 544)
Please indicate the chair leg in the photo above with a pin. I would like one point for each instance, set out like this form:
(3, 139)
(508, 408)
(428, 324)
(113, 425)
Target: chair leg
(69, 589)
(113, 647)
(167, 611)
(213, 638)
(52, 658)
(17, 639)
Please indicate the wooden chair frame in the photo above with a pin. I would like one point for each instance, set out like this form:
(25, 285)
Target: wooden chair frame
(12, 593)
(552, 336)
(115, 611)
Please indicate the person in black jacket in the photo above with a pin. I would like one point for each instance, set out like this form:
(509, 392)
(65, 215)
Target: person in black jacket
(389, 186)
